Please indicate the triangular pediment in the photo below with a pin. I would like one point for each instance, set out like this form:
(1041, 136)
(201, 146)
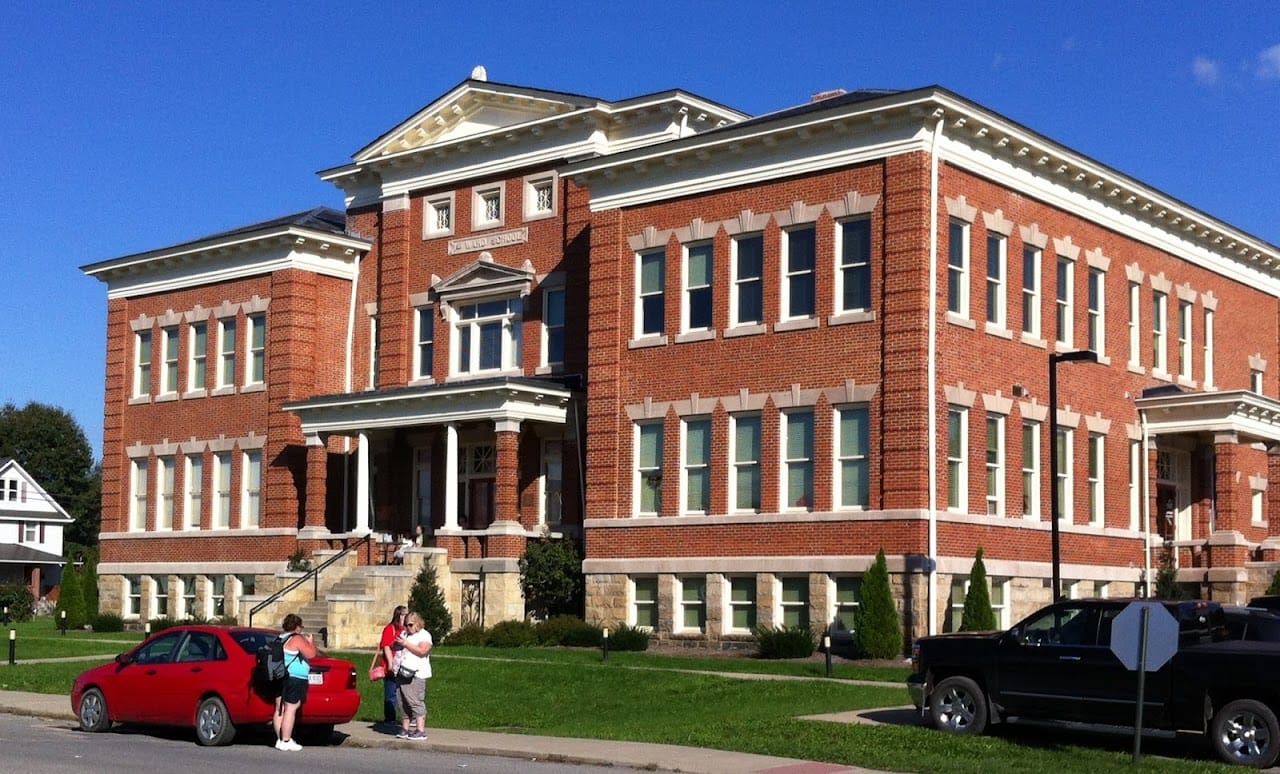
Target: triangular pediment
(28, 499)
(471, 109)
(482, 278)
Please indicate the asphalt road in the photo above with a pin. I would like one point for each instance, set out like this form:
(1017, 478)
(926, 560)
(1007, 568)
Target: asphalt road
(44, 746)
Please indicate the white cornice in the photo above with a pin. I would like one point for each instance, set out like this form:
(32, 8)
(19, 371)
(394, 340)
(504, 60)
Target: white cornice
(192, 271)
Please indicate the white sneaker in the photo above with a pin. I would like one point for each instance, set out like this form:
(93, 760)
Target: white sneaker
(280, 745)
(289, 745)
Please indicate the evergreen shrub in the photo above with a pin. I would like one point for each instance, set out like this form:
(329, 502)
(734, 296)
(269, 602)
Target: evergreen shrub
(784, 642)
(511, 634)
(878, 629)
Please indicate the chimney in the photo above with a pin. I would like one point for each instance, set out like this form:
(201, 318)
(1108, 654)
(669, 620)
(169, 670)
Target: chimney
(828, 94)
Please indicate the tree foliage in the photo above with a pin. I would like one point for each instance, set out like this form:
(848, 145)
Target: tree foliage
(48, 443)
(978, 615)
(427, 600)
(878, 628)
(70, 600)
(1274, 588)
(1167, 586)
(551, 577)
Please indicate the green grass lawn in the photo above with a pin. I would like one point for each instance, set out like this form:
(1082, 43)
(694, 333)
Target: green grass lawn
(650, 698)
(40, 639)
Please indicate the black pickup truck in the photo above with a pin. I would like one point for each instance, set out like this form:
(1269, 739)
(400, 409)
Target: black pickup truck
(1057, 665)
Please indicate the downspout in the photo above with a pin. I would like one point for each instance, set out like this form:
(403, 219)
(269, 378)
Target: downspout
(932, 560)
(1145, 510)
(346, 388)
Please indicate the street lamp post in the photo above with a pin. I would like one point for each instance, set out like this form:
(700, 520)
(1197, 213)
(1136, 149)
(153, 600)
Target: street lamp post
(1079, 355)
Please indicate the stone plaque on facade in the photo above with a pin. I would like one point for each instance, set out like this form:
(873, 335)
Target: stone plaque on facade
(471, 244)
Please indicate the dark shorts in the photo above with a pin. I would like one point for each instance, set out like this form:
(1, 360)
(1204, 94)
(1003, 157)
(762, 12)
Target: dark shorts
(294, 690)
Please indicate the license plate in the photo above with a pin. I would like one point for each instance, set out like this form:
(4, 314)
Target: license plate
(315, 678)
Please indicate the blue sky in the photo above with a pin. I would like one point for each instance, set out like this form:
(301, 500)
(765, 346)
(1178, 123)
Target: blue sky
(130, 126)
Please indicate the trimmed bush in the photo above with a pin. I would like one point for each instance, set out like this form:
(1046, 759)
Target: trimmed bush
(165, 622)
(570, 631)
(18, 599)
(879, 631)
(467, 635)
(226, 620)
(978, 615)
(70, 600)
(785, 642)
(551, 577)
(1274, 588)
(108, 622)
(628, 638)
(511, 634)
(426, 598)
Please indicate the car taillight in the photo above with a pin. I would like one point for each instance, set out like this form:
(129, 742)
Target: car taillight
(351, 679)
(915, 657)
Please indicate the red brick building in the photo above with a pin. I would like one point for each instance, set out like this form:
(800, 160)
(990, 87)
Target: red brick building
(735, 356)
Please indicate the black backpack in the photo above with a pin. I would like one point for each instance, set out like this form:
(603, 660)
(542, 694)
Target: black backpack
(272, 666)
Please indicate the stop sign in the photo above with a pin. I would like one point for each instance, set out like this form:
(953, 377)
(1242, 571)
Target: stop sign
(1162, 635)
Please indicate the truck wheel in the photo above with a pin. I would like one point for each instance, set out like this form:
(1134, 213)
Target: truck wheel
(1245, 733)
(958, 706)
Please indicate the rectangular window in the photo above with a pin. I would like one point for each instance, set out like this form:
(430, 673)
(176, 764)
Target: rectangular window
(1064, 474)
(437, 217)
(958, 268)
(648, 468)
(996, 267)
(1255, 507)
(746, 463)
(693, 603)
(995, 465)
(1063, 303)
(133, 596)
(373, 352)
(138, 513)
(539, 197)
(198, 356)
(1184, 339)
(748, 280)
(644, 609)
(251, 491)
(188, 583)
(553, 327)
(218, 595)
(845, 602)
(1135, 324)
(1159, 308)
(248, 585)
(486, 208)
(552, 482)
(697, 465)
(164, 492)
(854, 277)
(256, 368)
(697, 292)
(30, 532)
(226, 352)
(798, 463)
(1000, 601)
(1031, 470)
(489, 335)
(851, 456)
(424, 341)
(1031, 291)
(1208, 348)
(193, 491)
(957, 458)
(1097, 312)
(160, 600)
(1255, 380)
(222, 490)
(652, 281)
(794, 601)
(800, 248)
(142, 363)
(742, 603)
(1097, 505)
(169, 353)
(1135, 478)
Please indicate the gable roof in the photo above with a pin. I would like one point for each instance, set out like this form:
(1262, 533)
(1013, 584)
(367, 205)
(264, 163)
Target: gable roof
(40, 504)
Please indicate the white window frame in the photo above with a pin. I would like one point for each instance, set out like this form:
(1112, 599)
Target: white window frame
(1185, 365)
(855, 267)
(642, 295)
(739, 466)
(1159, 332)
(142, 353)
(31, 532)
(845, 611)
(749, 605)
(1000, 602)
(685, 605)
(132, 596)
(1135, 325)
(547, 493)
(480, 197)
(1064, 302)
(789, 500)
(217, 604)
(1031, 258)
(1255, 380)
(166, 469)
(852, 459)
(791, 275)
(1256, 511)
(995, 464)
(424, 326)
(1031, 469)
(1096, 474)
(958, 268)
(187, 594)
(691, 467)
(1097, 301)
(197, 356)
(220, 518)
(159, 599)
(552, 328)
(800, 607)
(169, 360)
(689, 291)
(192, 490)
(1208, 347)
(997, 291)
(373, 352)
(740, 281)
(251, 474)
(511, 320)
(255, 361)
(1066, 475)
(533, 186)
(431, 210)
(1135, 488)
(643, 472)
(139, 494)
(636, 604)
(226, 352)
(958, 458)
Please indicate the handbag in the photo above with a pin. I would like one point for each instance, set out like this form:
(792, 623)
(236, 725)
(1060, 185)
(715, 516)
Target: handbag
(377, 671)
(404, 674)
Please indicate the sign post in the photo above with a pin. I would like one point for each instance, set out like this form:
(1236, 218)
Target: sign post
(1144, 636)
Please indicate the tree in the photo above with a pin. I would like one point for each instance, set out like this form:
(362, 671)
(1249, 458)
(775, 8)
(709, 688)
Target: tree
(49, 445)
(70, 599)
(551, 577)
(1274, 588)
(88, 559)
(1167, 586)
(978, 615)
(878, 628)
(427, 600)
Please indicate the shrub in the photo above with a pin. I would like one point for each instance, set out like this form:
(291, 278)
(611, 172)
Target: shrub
(108, 622)
(18, 599)
(570, 631)
(1274, 588)
(299, 562)
(427, 600)
(978, 615)
(879, 631)
(164, 622)
(70, 600)
(467, 635)
(785, 642)
(511, 634)
(1167, 586)
(551, 577)
(226, 620)
(628, 638)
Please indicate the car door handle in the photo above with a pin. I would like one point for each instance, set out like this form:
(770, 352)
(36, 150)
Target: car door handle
(197, 669)
(151, 671)
(1068, 658)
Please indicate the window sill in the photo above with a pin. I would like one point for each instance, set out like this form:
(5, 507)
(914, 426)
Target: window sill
(532, 216)
(258, 387)
(1103, 359)
(229, 390)
(487, 226)
(999, 331)
(551, 368)
(1034, 341)
(1064, 346)
(801, 324)
(421, 381)
(166, 397)
(437, 235)
(748, 329)
(139, 400)
(1187, 382)
(1161, 375)
(647, 341)
(963, 322)
(1136, 369)
(688, 336)
(849, 318)
(200, 393)
(471, 377)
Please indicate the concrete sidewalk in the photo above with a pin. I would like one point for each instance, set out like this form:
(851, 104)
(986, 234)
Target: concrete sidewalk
(637, 755)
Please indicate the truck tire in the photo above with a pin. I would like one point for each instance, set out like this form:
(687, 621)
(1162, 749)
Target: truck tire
(1245, 733)
(958, 706)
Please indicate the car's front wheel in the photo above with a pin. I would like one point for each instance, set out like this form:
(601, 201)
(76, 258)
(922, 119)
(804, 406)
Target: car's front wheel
(958, 706)
(213, 725)
(1245, 732)
(93, 711)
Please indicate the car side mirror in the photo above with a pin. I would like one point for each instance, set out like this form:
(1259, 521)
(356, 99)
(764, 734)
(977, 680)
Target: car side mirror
(1012, 637)
(124, 659)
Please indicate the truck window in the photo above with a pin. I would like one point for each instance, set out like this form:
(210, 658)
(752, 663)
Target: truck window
(1067, 625)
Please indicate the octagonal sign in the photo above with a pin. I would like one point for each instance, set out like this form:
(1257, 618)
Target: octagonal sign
(1162, 635)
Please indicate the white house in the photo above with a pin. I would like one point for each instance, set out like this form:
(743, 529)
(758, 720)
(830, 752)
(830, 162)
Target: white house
(31, 524)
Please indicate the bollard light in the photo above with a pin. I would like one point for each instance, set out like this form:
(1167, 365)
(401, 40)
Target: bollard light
(62, 623)
(606, 645)
(13, 645)
(146, 629)
(826, 646)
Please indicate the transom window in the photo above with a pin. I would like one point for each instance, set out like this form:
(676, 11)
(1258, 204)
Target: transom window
(488, 336)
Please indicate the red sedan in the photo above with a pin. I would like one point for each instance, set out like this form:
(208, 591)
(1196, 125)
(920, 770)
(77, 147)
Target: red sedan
(203, 677)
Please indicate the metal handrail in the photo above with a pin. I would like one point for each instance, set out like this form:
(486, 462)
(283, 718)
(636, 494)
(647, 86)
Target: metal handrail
(313, 573)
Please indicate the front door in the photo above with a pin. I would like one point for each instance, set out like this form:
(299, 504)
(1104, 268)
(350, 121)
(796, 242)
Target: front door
(480, 502)
(1173, 494)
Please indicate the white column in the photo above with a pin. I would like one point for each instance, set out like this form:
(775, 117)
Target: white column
(450, 476)
(362, 484)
